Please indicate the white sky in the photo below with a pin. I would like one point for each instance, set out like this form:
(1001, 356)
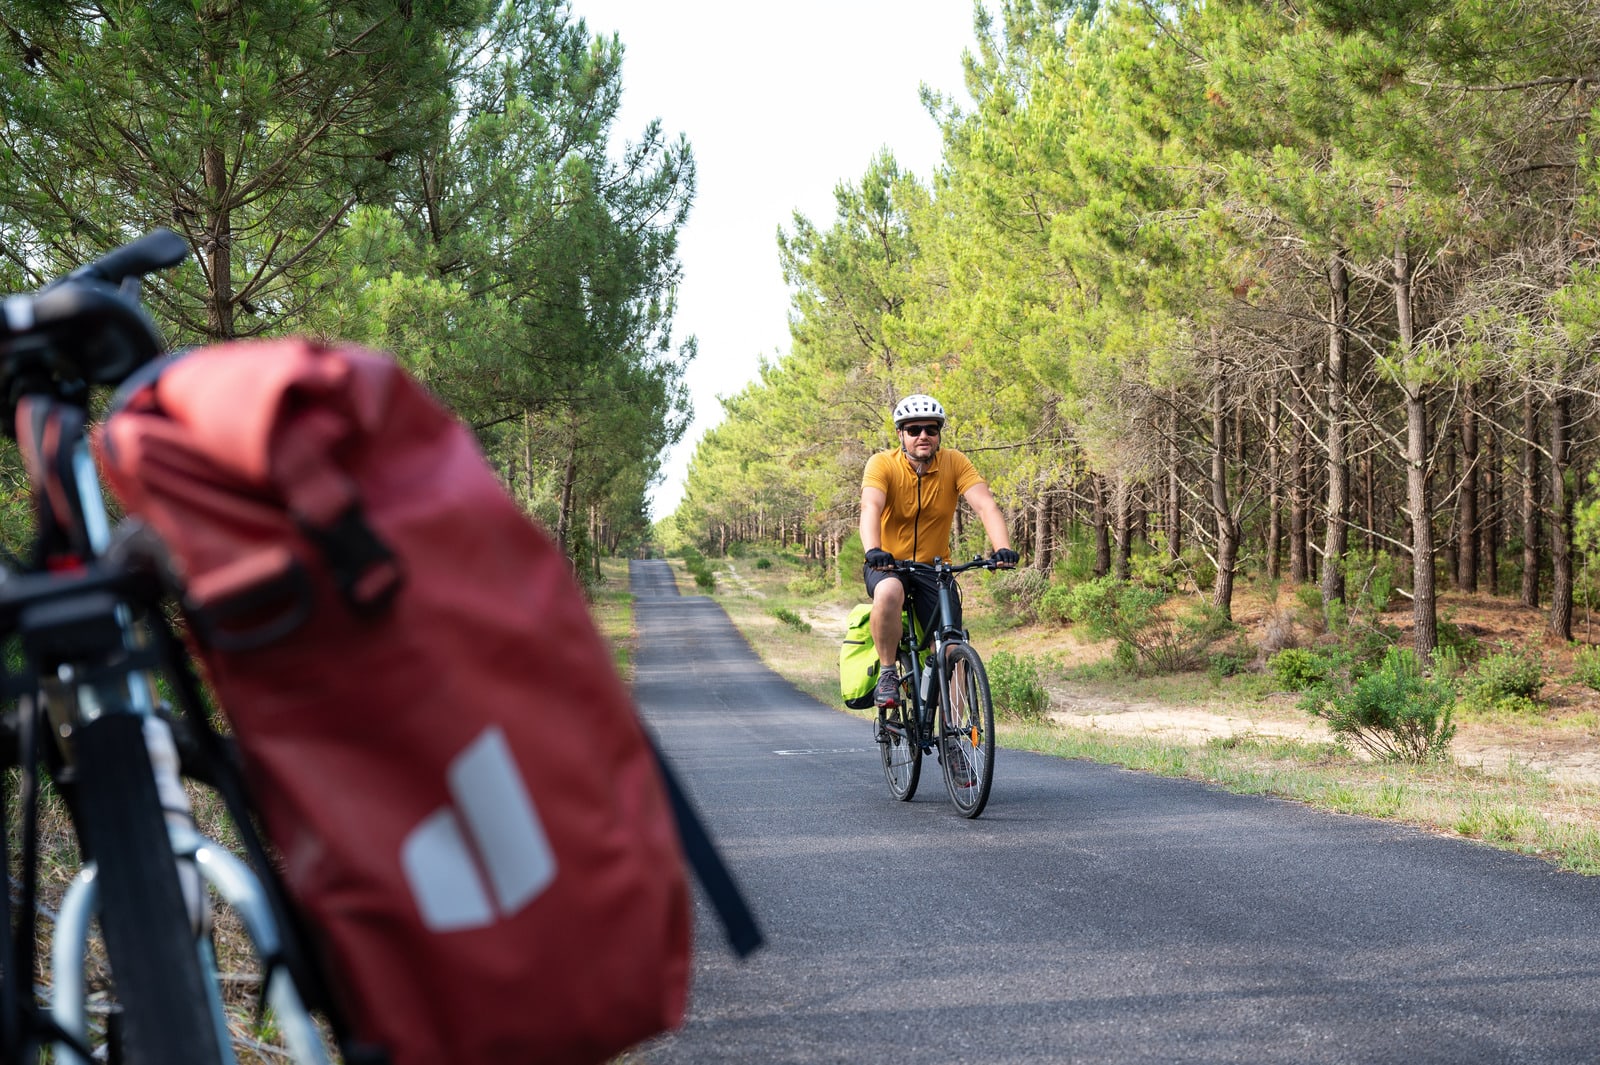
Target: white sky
(780, 103)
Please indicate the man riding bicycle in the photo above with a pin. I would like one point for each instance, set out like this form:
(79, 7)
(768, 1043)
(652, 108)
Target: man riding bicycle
(909, 496)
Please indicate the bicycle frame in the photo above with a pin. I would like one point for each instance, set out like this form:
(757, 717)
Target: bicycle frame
(935, 644)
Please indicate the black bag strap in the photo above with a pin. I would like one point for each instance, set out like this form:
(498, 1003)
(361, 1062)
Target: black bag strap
(738, 921)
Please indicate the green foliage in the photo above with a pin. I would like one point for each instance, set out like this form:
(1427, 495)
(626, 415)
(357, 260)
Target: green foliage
(1017, 593)
(1076, 563)
(1055, 605)
(809, 585)
(1454, 638)
(851, 560)
(791, 619)
(436, 181)
(1147, 637)
(699, 569)
(1229, 663)
(1510, 679)
(763, 563)
(1299, 669)
(1369, 580)
(1016, 687)
(1393, 712)
(1154, 570)
(1586, 667)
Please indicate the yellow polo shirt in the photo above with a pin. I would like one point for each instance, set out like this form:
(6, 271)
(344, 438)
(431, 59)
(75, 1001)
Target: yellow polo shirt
(919, 509)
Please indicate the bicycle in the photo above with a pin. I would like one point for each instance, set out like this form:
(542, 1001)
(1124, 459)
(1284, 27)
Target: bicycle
(963, 734)
(84, 617)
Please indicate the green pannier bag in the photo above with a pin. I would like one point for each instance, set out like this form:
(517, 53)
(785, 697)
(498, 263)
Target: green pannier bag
(858, 659)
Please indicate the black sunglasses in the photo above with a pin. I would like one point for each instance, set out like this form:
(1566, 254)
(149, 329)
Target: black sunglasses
(921, 430)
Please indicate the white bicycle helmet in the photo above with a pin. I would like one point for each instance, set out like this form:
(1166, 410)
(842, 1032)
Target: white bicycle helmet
(915, 408)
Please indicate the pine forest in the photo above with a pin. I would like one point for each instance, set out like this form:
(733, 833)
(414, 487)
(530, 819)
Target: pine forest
(1243, 290)
(440, 179)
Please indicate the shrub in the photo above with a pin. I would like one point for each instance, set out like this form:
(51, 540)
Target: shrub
(763, 563)
(791, 619)
(852, 556)
(1509, 679)
(1310, 614)
(1015, 685)
(1229, 663)
(1017, 593)
(1455, 638)
(1298, 669)
(1075, 563)
(699, 569)
(1586, 667)
(1368, 580)
(1154, 569)
(1279, 633)
(1147, 638)
(1393, 712)
(807, 586)
(1202, 571)
(1055, 605)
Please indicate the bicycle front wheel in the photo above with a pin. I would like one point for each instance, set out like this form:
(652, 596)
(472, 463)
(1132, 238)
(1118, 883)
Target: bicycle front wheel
(966, 731)
(151, 946)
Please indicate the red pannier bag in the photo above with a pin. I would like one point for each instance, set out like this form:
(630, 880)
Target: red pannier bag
(467, 811)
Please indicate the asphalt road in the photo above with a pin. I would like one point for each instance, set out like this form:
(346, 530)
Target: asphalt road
(1091, 914)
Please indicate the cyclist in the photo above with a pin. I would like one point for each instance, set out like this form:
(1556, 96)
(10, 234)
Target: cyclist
(908, 502)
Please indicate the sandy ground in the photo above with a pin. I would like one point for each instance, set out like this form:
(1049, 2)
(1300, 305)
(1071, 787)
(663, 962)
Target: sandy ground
(1569, 757)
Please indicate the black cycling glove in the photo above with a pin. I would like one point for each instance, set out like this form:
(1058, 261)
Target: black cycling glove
(1006, 557)
(878, 558)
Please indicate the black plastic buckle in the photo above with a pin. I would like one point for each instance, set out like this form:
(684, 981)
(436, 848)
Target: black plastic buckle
(363, 566)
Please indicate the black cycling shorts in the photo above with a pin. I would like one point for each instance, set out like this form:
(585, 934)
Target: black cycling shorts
(923, 592)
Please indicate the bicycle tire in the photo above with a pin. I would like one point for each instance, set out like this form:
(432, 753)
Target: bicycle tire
(898, 745)
(966, 732)
(150, 946)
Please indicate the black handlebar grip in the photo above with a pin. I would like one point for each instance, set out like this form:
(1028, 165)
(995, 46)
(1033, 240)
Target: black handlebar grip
(153, 251)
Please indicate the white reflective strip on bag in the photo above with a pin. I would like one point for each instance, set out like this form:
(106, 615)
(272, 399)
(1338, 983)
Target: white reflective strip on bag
(491, 827)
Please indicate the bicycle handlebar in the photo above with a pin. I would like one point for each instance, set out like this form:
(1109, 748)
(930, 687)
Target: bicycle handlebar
(87, 328)
(908, 566)
(153, 251)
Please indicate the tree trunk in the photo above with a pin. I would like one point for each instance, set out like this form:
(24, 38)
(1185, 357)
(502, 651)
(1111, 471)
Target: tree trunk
(1369, 502)
(1338, 515)
(1560, 519)
(1467, 511)
(1299, 491)
(1227, 531)
(1102, 530)
(1174, 509)
(1122, 510)
(569, 478)
(1425, 634)
(1274, 543)
(1449, 554)
(1489, 534)
(1042, 554)
(1530, 501)
(219, 247)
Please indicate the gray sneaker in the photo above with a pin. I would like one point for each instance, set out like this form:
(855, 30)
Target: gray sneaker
(888, 690)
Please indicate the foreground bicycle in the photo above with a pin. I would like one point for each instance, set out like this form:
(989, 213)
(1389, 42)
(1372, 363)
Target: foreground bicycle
(940, 671)
(87, 643)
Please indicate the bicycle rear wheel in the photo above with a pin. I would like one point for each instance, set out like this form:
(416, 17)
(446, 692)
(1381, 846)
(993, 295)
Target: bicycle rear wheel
(897, 741)
(966, 732)
(151, 947)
